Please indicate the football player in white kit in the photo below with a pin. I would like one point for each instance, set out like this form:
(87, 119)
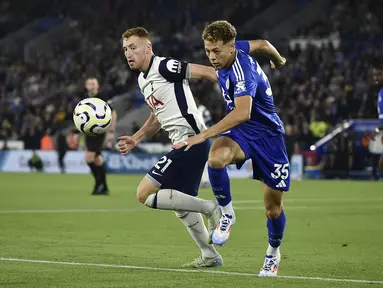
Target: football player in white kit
(172, 184)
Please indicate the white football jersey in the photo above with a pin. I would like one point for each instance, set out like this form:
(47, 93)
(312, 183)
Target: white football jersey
(167, 93)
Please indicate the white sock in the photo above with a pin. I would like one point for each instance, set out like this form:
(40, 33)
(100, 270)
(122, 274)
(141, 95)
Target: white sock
(196, 228)
(205, 175)
(171, 199)
(272, 250)
(228, 209)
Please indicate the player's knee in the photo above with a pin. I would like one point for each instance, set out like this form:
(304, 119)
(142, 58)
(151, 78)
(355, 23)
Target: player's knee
(143, 193)
(90, 157)
(181, 215)
(99, 160)
(273, 211)
(141, 196)
(216, 161)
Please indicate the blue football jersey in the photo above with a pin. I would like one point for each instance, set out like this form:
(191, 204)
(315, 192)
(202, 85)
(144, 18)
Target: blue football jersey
(246, 77)
(380, 106)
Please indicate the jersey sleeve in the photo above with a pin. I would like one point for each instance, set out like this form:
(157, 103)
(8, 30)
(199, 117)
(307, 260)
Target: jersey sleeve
(174, 70)
(380, 106)
(243, 45)
(244, 81)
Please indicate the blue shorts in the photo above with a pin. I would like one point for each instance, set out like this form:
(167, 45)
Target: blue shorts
(269, 158)
(181, 170)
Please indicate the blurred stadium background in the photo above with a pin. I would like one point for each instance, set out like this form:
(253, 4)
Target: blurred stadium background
(325, 97)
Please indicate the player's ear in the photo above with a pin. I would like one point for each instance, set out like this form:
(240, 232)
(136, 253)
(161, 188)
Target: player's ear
(232, 47)
(149, 48)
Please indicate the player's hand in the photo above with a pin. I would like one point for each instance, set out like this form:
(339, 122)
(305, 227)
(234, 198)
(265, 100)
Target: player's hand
(278, 65)
(190, 142)
(126, 144)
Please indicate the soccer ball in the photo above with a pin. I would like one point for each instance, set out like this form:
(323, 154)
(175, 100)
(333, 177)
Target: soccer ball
(92, 116)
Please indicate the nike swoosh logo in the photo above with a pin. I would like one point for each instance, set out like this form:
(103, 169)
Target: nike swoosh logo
(156, 173)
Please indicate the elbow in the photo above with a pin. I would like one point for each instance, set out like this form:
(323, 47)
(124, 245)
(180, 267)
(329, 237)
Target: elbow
(264, 45)
(246, 117)
(243, 117)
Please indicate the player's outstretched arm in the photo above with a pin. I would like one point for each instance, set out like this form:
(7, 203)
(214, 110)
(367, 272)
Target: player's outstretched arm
(200, 71)
(240, 114)
(150, 128)
(112, 129)
(265, 48)
(236, 117)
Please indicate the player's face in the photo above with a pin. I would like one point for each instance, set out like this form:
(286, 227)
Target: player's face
(220, 55)
(92, 86)
(136, 50)
(377, 76)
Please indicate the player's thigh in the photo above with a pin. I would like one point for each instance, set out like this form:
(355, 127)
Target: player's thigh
(192, 172)
(225, 151)
(145, 188)
(180, 170)
(270, 162)
(94, 143)
(192, 167)
(99, 160)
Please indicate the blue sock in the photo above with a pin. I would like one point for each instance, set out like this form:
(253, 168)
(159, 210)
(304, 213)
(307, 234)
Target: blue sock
(276, 228)
(220, 184)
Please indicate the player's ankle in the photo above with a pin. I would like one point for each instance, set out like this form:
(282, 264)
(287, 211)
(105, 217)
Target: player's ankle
(272, 250)
(228, 209)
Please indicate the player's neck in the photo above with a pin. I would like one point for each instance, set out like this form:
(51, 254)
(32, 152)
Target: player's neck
(232, 60)
(91, 94)
(146, 65)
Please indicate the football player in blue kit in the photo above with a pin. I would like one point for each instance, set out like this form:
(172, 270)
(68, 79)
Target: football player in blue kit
(377, 74)
(250, 130)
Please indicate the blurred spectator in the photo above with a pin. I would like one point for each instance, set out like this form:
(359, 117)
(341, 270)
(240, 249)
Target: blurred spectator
(320, 86)
(35, 163)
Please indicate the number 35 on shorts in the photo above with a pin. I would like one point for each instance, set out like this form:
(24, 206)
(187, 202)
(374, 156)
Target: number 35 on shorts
(281, 171)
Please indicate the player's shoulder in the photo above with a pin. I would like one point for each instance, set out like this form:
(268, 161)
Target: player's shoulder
(172, 69)
(380, 93)
(245, 59)
(244, 65)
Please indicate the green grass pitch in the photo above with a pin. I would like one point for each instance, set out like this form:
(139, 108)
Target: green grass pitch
(334, 230)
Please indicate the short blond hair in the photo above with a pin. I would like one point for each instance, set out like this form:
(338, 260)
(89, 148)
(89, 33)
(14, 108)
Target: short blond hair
(137, 31)
(219, 31)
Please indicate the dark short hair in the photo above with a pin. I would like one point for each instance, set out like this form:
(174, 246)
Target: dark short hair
(219, 31)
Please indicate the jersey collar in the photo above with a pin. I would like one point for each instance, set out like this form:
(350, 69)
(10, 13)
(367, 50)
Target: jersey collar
(150, 65)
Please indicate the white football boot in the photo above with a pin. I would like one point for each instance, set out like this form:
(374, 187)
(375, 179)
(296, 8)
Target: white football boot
(222, 231)
(271, 265)
(201, 262)
(213, 220)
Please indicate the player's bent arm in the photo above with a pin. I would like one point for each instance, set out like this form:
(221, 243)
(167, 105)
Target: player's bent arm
(236, 117)
(196, 71)
(150, 128)
(114, 122)
(265, 48)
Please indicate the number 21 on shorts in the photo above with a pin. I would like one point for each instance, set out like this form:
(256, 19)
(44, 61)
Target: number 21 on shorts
(162, 161)
(281, 171)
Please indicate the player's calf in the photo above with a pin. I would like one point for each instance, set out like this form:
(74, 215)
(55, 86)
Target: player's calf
(196, 228)
(276, 223)
(171, 199)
